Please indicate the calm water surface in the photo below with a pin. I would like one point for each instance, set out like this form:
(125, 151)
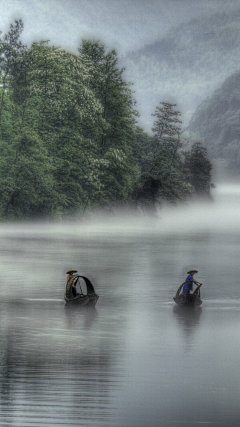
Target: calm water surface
(136, 360)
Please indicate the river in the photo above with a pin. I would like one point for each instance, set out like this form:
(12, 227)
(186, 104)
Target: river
(135, 360)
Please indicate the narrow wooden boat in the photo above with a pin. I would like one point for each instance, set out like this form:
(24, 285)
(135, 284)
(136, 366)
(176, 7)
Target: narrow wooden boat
(89, 298)
(188, 300)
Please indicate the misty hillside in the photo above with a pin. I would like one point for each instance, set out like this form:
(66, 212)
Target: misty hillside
(185, 66)
(217, 121)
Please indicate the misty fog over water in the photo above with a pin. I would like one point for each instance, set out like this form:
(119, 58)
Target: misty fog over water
(136, 360)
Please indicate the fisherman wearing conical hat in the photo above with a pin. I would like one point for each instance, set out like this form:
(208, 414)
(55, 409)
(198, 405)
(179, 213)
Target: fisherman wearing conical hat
(70, 273)
(188, 285)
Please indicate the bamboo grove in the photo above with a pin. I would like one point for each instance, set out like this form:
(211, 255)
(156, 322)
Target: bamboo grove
(69, 139)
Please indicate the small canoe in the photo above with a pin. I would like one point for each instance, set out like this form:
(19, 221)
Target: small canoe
(89, 298)
(188, 300)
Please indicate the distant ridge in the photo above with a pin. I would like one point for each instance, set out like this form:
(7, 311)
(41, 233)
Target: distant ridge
(217, 121)
(185, 66)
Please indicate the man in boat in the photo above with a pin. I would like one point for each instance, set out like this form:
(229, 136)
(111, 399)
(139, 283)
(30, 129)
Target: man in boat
(188, 285)
(70, 273)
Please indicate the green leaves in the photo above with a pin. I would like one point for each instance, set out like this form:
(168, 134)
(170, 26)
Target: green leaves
(164, 179)
(198, 169)
(69, 141)
(27, 185)
(114, 163)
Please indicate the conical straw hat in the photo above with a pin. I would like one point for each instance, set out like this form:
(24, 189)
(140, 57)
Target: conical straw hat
(192, 271)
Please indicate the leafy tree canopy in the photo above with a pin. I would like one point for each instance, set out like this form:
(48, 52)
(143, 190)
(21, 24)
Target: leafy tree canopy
(69, 140)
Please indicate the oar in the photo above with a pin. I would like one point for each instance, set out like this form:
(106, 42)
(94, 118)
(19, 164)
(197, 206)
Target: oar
(197, 290)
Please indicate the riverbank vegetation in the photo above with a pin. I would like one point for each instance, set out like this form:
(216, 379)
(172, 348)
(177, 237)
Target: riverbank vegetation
(69, 139)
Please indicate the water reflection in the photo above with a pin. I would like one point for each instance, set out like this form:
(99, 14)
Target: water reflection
(86, 316)
(55, 366)
(188, 319)
(123, 363)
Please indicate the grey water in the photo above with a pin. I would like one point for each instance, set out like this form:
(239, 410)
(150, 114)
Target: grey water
(136, 360)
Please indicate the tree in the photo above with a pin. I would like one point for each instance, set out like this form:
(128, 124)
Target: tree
(69, 140)
(113, 93)
(11, 49)
(116, 165)
(198, 169)
(164, 179)
(52, 101)
(27, 187)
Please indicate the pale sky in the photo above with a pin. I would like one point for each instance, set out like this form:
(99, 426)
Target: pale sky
(121, 24)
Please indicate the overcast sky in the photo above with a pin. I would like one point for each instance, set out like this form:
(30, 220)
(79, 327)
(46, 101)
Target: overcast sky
(121, 24)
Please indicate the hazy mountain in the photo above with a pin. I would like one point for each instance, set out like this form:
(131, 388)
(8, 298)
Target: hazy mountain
(124, 25)
(217, 121)
(186, 65)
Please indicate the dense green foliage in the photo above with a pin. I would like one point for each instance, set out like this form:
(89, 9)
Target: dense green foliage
(164, 178)
(68, 135)
(216, 122)
(170, 173)
(199, 169)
